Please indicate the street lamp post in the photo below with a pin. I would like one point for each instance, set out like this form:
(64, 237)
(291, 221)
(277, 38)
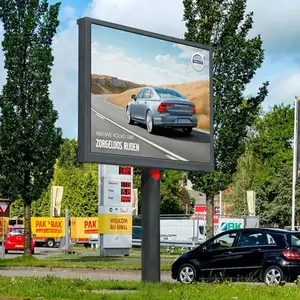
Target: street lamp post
(295, 167)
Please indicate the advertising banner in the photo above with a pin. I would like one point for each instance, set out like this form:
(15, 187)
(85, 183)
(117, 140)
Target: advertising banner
(5, 227)
(83, 228)
(115, 222)
(115, 206)
(48, 227)
(56, 199)
(135, 202)
(144, 99)
(231, 223)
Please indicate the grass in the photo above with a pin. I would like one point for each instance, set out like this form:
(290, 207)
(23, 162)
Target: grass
(50, 287)
(196, 91)
(96, 263)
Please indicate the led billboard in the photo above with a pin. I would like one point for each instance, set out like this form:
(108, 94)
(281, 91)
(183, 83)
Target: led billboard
(144, 99)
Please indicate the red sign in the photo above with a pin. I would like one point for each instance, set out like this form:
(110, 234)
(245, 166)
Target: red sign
(4, 206)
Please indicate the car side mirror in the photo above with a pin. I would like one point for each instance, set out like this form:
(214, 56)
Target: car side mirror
(204, 248)
(133, 97)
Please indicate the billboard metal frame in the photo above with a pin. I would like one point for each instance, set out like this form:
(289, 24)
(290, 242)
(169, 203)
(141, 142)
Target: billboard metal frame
(85, 154)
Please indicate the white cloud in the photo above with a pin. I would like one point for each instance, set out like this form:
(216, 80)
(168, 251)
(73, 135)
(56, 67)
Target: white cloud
(161, 16)
(164, 69)
(67, 13)
(64, 87)
(284, 90)
(3, 73)
(278, 24)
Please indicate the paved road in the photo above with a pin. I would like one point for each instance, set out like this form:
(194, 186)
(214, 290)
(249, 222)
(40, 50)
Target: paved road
(80, 273)
(109, 122)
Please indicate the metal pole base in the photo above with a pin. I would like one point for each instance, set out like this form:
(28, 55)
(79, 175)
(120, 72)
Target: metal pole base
(150, 225)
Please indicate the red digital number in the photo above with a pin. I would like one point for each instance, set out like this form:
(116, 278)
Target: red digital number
(124, 170)
(125, 184)
(125, 199)
(126, 192)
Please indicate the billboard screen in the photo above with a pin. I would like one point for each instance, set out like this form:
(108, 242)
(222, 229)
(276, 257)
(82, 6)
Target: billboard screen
(144, 99)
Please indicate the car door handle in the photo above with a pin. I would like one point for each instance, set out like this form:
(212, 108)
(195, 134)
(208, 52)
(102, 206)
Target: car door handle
(227, 252)
(256, 250)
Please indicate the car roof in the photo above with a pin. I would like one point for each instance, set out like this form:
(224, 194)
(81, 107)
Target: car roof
(264, 229)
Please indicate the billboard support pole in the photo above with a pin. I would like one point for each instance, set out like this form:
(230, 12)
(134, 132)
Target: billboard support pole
(295, 167)
(150, 225)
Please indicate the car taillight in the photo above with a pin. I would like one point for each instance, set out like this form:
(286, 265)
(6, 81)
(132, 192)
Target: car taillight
(194, 107)
(291, 255)
(162, 107)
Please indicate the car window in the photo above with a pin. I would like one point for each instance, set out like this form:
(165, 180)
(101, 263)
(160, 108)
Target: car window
(168, 93)
(221, 242)
(16, 231)
(295, 239)
(248, 239)
(271, 240)
(147, 94)
(140, 94)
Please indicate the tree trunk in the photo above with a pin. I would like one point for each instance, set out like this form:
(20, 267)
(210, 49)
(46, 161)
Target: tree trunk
(209, 216)
(27, 228)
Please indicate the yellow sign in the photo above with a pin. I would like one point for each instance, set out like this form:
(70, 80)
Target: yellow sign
(115, 224)
(6, 221)
(83, 228)
(48, 227)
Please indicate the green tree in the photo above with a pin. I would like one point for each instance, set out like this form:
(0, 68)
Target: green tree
(224, 25)
(271, 142)
(171, 193)
(28, 136)
(244, 180)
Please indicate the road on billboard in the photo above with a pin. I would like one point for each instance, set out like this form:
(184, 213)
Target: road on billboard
(174, 145)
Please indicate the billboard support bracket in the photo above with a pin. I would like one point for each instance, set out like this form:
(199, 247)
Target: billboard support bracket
(150, 225)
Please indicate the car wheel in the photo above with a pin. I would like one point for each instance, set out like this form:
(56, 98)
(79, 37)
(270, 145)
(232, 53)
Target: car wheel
(273, 275)
(6, 251)
(187, 130)
(129, 120)
(50, 243)
(149, 122)
(186, 274)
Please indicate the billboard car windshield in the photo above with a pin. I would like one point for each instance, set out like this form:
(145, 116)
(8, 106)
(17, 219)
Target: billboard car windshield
(150, 100)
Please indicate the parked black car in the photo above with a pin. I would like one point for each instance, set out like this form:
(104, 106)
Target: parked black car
(250, 254)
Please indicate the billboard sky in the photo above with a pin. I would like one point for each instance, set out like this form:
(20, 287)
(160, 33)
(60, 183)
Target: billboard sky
(143, 59)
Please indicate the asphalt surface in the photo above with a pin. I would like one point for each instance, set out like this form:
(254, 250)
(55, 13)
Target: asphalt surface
(109, 122)
(80, 273)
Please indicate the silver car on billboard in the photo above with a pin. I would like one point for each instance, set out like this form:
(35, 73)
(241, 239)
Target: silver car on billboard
(159, 107)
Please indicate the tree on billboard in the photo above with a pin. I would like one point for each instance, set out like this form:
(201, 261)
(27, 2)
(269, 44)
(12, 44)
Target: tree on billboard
(29, 139)
(224, 25)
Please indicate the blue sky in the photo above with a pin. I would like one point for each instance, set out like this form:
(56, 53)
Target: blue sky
(277, 23)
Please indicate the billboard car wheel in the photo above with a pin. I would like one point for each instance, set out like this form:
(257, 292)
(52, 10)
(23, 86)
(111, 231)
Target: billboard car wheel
(129, 120)
(149, 122)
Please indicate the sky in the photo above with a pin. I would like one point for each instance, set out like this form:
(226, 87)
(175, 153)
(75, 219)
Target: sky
(277, 22)
(144, 59)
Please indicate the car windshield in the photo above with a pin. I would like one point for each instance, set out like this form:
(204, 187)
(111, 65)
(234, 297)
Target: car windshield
(295, 239)
(166, 93)
(15, 231)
